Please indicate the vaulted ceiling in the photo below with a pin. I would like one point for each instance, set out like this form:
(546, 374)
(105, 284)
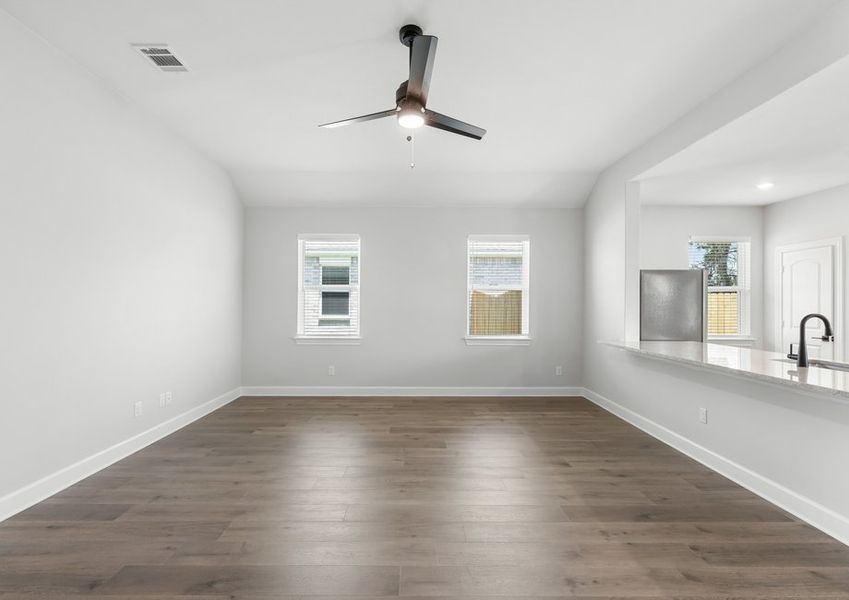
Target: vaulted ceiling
(798, 142)
(564, 87)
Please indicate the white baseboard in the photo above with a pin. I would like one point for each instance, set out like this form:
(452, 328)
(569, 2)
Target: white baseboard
(277, 390)
(821, 517)
(45, 487)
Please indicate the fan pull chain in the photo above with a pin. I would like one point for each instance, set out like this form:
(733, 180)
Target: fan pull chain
(412, 151)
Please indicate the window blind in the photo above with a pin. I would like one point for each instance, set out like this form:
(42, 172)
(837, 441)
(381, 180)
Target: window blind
(726, 264)
(497, 298)
(329, 286)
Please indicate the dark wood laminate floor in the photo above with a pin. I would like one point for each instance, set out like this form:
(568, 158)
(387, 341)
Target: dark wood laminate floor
(413, 497)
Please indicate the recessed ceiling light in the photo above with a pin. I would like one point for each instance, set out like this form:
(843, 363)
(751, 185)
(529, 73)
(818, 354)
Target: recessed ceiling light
(765, 185)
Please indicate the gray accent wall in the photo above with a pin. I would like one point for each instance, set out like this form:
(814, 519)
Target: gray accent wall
(413, 290)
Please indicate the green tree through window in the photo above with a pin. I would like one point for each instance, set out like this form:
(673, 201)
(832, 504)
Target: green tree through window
(718, 259)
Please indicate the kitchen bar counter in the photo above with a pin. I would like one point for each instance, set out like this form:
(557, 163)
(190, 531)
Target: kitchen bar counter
(748, 363)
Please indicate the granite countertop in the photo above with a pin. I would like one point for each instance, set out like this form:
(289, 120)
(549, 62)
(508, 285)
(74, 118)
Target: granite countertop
(758, 365)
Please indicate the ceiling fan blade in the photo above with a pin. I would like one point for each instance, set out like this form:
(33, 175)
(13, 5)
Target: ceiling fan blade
(422, 55)
(446, 123)
(362, 119)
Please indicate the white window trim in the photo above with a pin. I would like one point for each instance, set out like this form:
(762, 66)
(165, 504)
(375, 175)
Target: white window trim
(720, 238)
(328, 340)
(745, 341)
(744, 304)
(339, 340)
(502, 340)
(498, 340)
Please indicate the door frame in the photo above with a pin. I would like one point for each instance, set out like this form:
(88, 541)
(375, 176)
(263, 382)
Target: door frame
(836, 244)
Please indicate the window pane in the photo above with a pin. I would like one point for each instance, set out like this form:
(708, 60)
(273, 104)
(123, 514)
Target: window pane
(325, 311)
(726, 266)
(312, 271)
(495, 271)
(335, 275)
(495, 264)
(497, 313)
(718, 259)
(498, 282)
(335, 303)
(334, 323)
(723, 313)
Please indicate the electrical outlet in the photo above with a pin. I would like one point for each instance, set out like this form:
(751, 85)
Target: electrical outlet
(703, 415)
(331, 370)
(162, 400)
(137, 409)
(168, 398)
(558, 370)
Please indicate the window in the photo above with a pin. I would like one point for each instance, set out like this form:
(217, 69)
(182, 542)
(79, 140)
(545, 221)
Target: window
(497, 294)
(727, 265)
(329, 287)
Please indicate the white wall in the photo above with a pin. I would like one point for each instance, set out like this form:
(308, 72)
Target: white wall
(814, 217)
(413, 299)
(120, 267)
(665, 232)
(788, 447)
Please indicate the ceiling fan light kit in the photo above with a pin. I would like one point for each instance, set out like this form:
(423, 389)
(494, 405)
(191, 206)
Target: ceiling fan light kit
(411, 115)
(411, 96)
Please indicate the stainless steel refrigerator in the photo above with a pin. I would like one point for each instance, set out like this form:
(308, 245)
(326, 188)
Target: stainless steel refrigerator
(673, 305)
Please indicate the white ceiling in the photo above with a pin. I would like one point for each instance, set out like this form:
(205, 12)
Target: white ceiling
(563, 87)
(799, 141)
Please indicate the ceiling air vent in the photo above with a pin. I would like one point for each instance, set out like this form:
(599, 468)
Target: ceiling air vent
(159, 56)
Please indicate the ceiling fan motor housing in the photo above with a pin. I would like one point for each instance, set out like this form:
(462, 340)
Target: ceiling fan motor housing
(408, 32)
(400, 93)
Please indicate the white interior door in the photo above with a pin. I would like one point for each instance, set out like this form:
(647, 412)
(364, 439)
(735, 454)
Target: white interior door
(807, 286)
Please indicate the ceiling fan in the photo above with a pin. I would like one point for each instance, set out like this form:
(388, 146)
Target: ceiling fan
(411, 96)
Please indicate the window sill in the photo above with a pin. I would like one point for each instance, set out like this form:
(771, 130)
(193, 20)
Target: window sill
(507, 340)
(328, 341)
(736, 340)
